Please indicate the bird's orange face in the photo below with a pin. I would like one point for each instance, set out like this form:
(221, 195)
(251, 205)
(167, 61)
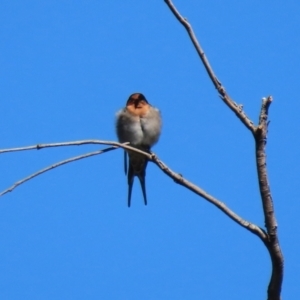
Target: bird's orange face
(137, 105)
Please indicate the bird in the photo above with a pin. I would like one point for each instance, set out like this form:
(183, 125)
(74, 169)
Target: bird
(139, 123)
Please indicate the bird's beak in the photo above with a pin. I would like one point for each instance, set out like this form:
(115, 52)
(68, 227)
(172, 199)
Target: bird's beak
(137, 104)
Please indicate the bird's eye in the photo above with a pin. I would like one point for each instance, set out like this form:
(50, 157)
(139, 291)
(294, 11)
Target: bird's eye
(130, 102)
(141, 97)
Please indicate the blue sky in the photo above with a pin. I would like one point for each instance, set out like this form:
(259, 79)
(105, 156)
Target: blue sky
(66, 68)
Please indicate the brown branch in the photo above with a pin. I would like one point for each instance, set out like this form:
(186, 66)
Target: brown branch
(260, 134)
(73, 143)
(178, 178)
(272, 244)
(237, 109)
(76, 143)
(273, 249)
(10, 189)
(114, 145)
(152, 157)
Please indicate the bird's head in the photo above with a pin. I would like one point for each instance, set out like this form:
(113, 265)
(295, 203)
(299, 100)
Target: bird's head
(137, 104)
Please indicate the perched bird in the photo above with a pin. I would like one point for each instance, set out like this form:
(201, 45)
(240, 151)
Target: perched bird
(138, 123)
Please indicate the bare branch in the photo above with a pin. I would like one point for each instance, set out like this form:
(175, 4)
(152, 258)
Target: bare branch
(73, 143)
(260, 135)
(237, 109)
(178, 178)
(272, 244)
(152, 157)
(55, 166)
(76, 143)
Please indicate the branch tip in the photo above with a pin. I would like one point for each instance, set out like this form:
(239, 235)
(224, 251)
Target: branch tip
(216, 82)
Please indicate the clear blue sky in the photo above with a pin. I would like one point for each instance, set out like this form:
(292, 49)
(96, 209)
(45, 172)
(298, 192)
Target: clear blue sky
(66, 68)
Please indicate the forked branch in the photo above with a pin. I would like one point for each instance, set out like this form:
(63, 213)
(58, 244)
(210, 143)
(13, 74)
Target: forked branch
(269, 238)
(152, 157)
(61, 163)
(260, 135)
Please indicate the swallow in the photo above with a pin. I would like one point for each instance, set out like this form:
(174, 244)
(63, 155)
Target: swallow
(139, 123)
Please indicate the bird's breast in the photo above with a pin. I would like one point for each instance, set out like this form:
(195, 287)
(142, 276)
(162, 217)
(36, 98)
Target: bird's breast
(139, 111)
(151, 127)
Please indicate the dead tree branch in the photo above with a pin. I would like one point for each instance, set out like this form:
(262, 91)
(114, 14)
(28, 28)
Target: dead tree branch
(269, 238)
(237, 109)
(260, 135)
(58, 164)
(272, 244)
(178, 178)
(152, 157)
(73, 143)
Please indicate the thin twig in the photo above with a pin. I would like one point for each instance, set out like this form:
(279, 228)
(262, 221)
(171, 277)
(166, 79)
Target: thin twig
(55, 166)
(76, 143)
(237, 109)
(272, 244)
